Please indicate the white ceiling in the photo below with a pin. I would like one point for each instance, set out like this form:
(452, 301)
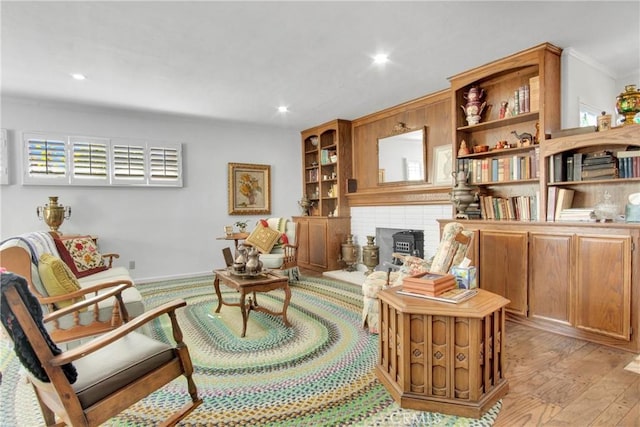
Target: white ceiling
(240, 60)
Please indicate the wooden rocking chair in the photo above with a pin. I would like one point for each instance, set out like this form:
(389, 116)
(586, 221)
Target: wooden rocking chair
(95, 381)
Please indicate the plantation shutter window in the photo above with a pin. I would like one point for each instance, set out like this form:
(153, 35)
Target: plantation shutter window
(54, 159)
(164, 165)
(45, 159)
(128, 162)
(90, 160)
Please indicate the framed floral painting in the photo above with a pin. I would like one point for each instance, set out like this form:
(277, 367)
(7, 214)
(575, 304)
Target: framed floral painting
(249, 189)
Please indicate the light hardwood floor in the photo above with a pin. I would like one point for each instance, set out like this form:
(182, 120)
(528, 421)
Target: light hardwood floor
(561, 381)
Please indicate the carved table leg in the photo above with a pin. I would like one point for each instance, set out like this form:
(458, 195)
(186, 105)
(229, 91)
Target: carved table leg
(216, 285)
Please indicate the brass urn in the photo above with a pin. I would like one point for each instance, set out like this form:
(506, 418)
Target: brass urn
(53, 214)
(370, 255)
(628, 103)
(349, 253)
(461, 194)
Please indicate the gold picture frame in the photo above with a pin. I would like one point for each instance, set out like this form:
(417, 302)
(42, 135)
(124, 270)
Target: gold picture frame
(249, 187)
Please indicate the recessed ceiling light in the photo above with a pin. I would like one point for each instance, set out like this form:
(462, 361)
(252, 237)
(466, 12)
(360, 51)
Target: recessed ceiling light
(78, 76)
(381, 58)
(283, 109)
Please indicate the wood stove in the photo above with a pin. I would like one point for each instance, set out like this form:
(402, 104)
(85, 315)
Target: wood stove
(409, 242)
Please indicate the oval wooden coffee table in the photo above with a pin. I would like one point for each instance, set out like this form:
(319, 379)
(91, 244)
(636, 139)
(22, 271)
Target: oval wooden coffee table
(264, 282)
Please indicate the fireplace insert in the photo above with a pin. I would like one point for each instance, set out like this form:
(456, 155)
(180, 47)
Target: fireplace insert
(409, 242)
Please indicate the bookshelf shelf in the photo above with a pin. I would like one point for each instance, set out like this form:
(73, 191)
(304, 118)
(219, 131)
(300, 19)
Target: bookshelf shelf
(504, 151)
(493, 124)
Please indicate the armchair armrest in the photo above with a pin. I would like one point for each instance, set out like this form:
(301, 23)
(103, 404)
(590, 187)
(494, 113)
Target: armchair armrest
(109, 258)
(83, 292)
(109, 337)
(115, 292)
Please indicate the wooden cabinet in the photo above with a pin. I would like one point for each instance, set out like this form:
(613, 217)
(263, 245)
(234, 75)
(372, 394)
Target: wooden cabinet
(320, 241)
(505, 270)
(603, 284)
(508, 172)
(436, 356)
(550, 255)
(326, 167)
(580, 280)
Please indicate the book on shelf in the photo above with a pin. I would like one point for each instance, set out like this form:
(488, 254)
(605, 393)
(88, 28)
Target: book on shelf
(629, 163)
(609, 172)
(604, 165)
(564, 200)
(559, 167)
(577, 166)
(577, 214)
(453, 296)
(534, 93)
(552, 196)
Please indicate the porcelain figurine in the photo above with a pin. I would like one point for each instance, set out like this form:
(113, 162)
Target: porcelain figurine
(463, 150)
(475, 105)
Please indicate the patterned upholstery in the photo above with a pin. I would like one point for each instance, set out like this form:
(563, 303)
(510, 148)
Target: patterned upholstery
(451, 251)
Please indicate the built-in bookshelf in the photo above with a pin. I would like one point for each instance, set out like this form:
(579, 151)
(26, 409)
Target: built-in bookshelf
(598, 167)
(522, 96)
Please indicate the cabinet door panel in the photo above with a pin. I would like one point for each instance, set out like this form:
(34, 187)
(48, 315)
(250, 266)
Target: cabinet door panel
(504, 267)
(551, 279)
(318, 243)
(603, 285)
(303, 242)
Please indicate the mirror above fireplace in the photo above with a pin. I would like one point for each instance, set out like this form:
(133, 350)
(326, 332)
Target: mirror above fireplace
(402, 156)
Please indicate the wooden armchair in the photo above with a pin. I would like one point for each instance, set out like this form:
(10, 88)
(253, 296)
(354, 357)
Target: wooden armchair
(280, 256)
(95, 381)
(67, 326)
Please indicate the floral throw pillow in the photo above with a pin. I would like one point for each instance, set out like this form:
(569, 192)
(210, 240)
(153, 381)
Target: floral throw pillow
(81, 254)
(263, 238)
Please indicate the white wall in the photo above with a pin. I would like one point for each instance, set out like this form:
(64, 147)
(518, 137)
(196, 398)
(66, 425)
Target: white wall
(168, 232)
(586, 81)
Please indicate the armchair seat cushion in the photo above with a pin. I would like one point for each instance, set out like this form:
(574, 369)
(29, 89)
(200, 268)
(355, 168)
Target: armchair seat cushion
(272, 260)
(120, 363)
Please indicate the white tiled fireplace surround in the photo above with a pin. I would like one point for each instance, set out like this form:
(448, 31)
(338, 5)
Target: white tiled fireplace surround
(365, 220)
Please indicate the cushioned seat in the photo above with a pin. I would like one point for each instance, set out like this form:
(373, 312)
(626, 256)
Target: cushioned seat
(121, 363)
(28, 254)
(451, 251)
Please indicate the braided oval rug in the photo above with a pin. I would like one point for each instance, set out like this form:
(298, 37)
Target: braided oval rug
(319, 372)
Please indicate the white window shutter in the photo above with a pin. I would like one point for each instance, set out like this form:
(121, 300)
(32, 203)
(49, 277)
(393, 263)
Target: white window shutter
(90, 161)
(45, 159)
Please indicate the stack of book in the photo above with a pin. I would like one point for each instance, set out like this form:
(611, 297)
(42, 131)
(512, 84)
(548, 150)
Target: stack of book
(431, 284)
(599, 165)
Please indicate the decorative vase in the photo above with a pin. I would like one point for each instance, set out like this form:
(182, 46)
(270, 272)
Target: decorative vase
(370, 255)
(628, 103)
(254, 265)
(461, 194)
(53, 214)
(349, 253)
